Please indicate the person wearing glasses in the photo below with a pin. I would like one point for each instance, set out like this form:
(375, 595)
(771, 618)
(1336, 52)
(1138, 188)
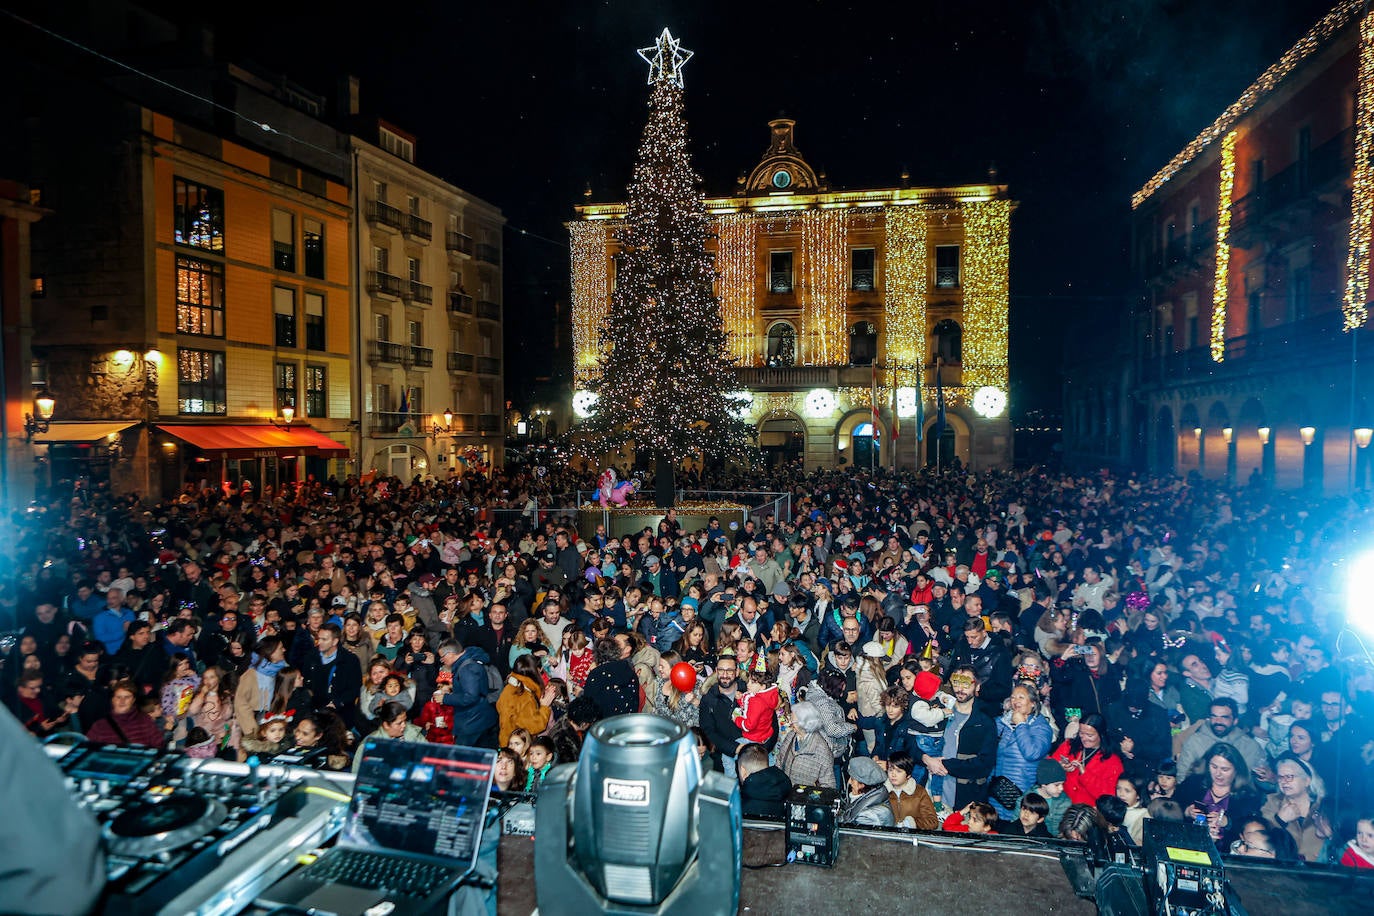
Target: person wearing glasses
(1297, 807)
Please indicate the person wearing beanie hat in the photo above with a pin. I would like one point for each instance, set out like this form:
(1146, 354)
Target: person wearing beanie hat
(865, 803)
(1049, 785)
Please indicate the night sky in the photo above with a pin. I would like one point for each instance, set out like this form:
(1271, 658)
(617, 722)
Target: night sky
(1077, 102)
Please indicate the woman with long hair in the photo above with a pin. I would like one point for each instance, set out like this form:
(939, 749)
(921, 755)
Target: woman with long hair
(1220, 790)
(870, 682)
(509, 773)
(529, 638)
(179, 686)
(212, 708)
(682, 707)
(1090, 761)
(525, 700)
(695, 647)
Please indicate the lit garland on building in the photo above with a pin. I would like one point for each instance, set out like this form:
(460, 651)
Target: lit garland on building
(825, 260)
(1356, 306)
(589, 297)
(736, 268)
(1221, 290)
(1315, 39)
(987, 232)
(906, 278)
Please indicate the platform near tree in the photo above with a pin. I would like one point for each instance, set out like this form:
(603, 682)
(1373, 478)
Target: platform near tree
(635, 517)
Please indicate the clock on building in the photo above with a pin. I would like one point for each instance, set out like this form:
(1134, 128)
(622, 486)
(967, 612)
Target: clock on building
(782, 179)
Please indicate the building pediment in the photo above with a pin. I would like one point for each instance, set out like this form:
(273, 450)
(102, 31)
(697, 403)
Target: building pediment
(782, 169)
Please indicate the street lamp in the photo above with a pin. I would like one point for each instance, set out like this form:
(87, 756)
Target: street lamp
(435, 430)
(1264, 432)
(1226, 433)
(43, 404)
(288, 414)
(1309, 434)
(1363, 435)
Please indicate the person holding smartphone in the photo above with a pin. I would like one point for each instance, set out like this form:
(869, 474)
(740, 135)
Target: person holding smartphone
(1083, 679)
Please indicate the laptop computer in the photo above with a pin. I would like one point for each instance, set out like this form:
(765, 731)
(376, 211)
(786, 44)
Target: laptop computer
(412, 834)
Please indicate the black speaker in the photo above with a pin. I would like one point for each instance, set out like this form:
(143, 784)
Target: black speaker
(1120, 891)
(813, 825)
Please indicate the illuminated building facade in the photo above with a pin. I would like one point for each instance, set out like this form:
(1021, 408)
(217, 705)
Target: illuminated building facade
(191, 279)
(839, 304)
(1252, 246)
(429, 315)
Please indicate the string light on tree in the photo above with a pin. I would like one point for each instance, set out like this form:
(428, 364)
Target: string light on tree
(665, 381)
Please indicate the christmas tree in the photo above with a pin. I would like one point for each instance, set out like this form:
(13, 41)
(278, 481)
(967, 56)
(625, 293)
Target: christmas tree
(665, 381)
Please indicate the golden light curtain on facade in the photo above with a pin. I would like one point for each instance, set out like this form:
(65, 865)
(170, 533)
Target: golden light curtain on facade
(987, 235)
(1221, 282)
(736, 260)
(590, 297)
(905, 281)
(825, 254)
(1356, 306)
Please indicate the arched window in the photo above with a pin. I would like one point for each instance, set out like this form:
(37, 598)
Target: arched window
(782, 345)
(949, 341)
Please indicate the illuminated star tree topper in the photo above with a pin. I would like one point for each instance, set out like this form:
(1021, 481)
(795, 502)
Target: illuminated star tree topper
(666, 57)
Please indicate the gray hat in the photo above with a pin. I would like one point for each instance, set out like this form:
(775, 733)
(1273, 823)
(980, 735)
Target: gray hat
(866, 771)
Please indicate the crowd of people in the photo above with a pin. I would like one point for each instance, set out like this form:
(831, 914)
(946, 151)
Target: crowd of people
(1007, 652)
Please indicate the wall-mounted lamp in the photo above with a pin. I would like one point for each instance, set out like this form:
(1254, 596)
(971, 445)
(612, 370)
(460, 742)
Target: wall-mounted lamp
(435, 430)
(288, 414)
(1308, 433)
(1226, 433)
(1197, 432)
(1363, 435)
(1264, 432)
(43, 405)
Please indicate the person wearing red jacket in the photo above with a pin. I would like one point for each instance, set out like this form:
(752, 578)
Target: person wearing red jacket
(758, 708)
(1090, 762)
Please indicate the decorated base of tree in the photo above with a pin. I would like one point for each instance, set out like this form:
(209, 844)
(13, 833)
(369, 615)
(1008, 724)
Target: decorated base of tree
(665, 379)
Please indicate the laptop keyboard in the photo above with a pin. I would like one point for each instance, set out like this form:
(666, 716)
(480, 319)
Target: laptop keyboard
(367, 869)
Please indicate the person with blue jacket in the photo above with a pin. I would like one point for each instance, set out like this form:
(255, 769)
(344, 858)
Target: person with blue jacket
(474, 716)
(661, 627)
(1024, 737)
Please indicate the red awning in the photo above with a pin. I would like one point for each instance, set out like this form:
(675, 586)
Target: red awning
(222, 441)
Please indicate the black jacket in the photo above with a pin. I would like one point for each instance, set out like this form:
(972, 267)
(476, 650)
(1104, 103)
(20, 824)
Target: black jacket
(763, 793)
(974, 758)
(992, 663)
(1148, 729)
(718, 723)
(614, 688)
(338, 683)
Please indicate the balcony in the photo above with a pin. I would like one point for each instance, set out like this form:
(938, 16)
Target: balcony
(488, 310)
(861, 280)
(1182, 255)
(384, 351)
(422, 357)
(489, 254)
(460, 304)
(418, 228)
(1308, 342)
(384, 283)
(488, 423)
(389, 421)
(1294, 194)
(946, 277)
(785, 377)
(457, 241)
(488, 365)
(419, 292)
(780, 281)
(460, 362)
(463, 423)
(385, 215)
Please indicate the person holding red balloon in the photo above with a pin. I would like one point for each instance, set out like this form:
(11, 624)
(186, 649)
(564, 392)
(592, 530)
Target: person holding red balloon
(675, 690)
